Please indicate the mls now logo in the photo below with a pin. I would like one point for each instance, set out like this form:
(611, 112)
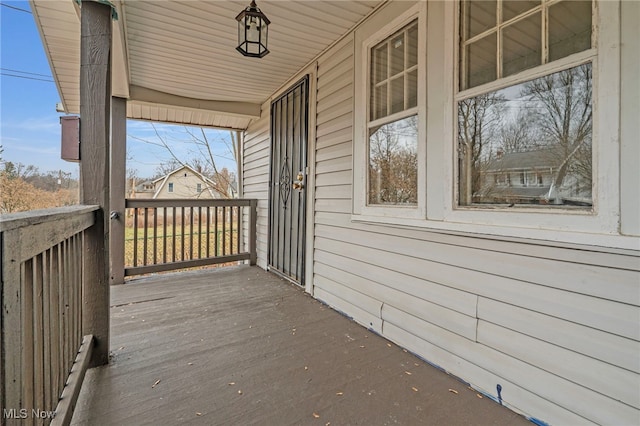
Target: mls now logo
(23, 413)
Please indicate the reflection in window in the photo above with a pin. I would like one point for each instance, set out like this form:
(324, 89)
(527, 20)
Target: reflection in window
(529, 143)
(393, 162)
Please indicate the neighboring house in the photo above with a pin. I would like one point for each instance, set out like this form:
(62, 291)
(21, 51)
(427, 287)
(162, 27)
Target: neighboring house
(526, 177)
(537, 306)
(142, 190)
(185, 182)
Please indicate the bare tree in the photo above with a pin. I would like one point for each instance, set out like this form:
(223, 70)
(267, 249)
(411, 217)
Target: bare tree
(201, 157)
(393, 163)
(477, 120)
(564, 117)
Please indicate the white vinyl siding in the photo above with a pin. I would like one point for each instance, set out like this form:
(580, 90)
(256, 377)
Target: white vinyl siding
(255, 177)
(555, 323)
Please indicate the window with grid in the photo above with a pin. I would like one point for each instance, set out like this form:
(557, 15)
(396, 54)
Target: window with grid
(393, 119)
(533, 118)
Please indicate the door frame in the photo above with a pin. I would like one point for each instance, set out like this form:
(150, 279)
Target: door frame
(311, 72)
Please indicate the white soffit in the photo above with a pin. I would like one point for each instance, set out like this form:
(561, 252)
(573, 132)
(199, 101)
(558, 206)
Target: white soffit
(187, 49)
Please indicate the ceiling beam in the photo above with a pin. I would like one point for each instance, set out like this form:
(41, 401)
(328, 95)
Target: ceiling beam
(239, 109)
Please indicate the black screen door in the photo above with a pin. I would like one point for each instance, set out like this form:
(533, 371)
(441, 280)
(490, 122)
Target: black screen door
(287, 183)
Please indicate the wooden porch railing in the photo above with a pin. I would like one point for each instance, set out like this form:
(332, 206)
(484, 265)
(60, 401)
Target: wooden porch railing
(43, 354)
(163, 235)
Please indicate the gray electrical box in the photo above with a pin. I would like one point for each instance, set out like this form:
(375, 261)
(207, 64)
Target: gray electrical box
(70, 146)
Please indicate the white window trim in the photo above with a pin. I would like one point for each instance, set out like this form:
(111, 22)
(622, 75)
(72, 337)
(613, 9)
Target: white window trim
(599, 226)
(364, 43)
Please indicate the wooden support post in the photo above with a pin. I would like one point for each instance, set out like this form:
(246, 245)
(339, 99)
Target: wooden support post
(95, 108)
(118, 184)
(253, 219)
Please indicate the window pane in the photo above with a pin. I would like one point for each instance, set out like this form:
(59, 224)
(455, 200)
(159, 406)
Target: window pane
(412, 89)
(569, 28)
(397, 94)
(379, 102)
(397, 54)
(522, 45)
(379, 63)
(542, 129)
(480, 62)
(393, 163)
(477, 16)
(412, 41)
(513, 8)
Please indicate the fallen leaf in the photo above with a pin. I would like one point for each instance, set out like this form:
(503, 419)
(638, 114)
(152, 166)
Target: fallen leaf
(306, 368)
(389, 344)
(316, 415)
(155, 384)
(339, 393)
(362, 346)
(453, 391)
(239, 392)
(416, 364)
(404, 350)
(415, 389)
(198, 414)
(231, 383)
(121, 348)
(479, 396)
(189, 363)
(408, 373)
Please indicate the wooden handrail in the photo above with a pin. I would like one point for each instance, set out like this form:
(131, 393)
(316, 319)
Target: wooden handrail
(209, 231)
(42, 292)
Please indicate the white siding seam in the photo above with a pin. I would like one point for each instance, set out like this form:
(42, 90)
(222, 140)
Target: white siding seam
(613, 317)
(560, 377)
(394, 289)
(477, 268)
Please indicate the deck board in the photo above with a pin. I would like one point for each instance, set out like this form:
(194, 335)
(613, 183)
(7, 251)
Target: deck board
(287, 356)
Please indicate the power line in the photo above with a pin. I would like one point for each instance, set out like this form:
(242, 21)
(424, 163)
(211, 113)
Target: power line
(25, 72)
(27, 78)
(15, 8)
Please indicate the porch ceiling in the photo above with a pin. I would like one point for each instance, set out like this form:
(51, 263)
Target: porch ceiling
(176, 60)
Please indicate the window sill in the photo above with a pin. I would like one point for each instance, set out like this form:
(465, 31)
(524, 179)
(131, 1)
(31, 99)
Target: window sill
(553, 237)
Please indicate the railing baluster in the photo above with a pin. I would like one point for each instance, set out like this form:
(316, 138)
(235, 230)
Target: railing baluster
(164, 235)
(208, 230)
(225, 224)
(191, 233)
(38, 333)
(182, 233)
(135, 236)
(224, 230)
(199, 232)
(46, 328)
(27, 337)
(155, 236)
(215, 225)
(173, 235)
(145, 242)
(231, 222)
(44, 305)
(239, 233)
(54, 325)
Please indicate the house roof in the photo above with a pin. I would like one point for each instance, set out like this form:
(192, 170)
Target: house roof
(175, 61)
(526, 160)
(210, 185)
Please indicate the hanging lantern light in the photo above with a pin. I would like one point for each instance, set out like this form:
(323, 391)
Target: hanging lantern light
(252, 32)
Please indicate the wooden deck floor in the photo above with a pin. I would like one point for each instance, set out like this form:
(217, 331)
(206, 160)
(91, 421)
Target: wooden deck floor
(240, 346)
